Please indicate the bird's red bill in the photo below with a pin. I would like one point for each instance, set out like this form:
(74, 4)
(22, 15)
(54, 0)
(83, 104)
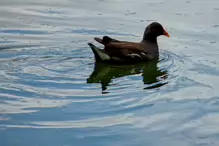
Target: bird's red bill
(166, 33)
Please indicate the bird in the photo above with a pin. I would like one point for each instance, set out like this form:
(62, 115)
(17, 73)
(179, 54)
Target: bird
(125, 52)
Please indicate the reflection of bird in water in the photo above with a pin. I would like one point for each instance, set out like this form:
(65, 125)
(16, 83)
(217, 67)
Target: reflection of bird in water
(104, 73)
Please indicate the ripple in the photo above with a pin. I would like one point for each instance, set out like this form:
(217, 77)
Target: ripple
(100, 95)
(58, 81)
(23, 32)
(51, 88)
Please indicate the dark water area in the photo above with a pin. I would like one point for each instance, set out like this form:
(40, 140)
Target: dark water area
(53, 93)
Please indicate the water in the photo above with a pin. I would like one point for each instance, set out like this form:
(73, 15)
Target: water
(53, 93)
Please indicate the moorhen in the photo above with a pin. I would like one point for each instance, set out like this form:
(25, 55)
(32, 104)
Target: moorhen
(124, 52)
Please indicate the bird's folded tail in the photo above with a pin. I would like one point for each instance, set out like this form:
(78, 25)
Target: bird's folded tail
(99, 40)
(105, 40)
(99, 54)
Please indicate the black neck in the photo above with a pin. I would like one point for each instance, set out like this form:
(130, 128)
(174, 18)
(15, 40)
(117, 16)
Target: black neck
(150, 38)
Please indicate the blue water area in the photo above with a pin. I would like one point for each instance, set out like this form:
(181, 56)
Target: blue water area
(99, 32)
(23, 32)
(53, 92)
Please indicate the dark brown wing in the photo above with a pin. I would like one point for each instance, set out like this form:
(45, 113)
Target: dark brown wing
(131, 46)
(125, 50)
(121, 49)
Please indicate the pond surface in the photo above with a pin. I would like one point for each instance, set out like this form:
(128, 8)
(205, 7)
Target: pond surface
(53, 93)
